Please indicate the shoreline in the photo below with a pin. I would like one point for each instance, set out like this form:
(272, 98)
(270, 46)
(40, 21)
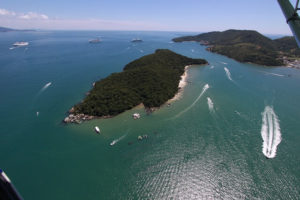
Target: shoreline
(79, 118)
(181, 85)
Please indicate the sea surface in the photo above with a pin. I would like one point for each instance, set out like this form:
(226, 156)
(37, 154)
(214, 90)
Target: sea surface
(234, 133)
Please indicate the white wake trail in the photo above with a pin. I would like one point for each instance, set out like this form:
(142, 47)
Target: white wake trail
(270, 132)
(270, 73)
(206, 86)
(228, 74)
(210, 104)
(224, 63)
(212, 67)
(46, 86)
(274, 74)
(118, 140)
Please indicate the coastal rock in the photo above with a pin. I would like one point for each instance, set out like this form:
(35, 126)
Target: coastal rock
(79, 118)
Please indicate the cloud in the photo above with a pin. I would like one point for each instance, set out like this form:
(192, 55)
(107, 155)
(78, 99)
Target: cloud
(4, 12)
(33, 20)
(32, 15)
(7, 14)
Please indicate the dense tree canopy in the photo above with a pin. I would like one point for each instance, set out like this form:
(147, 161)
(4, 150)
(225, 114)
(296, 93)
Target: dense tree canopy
(151, 80)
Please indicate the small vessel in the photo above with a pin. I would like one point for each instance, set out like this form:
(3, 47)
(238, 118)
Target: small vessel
(37, 113)
(20, 44)
(136, 40)
(140, 137)
(113, 143)
(97, 129)
(136, 116)
(94, 41)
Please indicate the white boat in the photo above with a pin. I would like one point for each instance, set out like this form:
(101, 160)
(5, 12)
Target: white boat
(136, 40)
(113, 142)
(136, 116)
(20, 44)
(97, 129)
(93, 41)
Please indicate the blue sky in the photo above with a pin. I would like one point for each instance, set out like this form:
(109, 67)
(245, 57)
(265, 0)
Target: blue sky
(264, 16)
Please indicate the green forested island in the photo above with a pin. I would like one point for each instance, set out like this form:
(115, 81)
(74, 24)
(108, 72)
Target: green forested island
(151, 80)
(248, 46)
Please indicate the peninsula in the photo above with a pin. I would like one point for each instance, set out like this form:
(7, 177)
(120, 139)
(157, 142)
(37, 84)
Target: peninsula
(249, 46)
(5, 29)
(150, 80)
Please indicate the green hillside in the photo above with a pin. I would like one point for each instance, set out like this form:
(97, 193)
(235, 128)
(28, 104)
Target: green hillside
(152, 80)
(247, 46)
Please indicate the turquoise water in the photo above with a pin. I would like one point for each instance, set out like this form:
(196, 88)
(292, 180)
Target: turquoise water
(191, 152)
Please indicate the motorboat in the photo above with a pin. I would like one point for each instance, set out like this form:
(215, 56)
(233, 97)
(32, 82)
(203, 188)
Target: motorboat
(113, 143)
(136, 116)
(97, 129)
(20, 44)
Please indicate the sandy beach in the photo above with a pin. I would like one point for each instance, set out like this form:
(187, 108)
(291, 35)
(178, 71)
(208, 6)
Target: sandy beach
(181, 85)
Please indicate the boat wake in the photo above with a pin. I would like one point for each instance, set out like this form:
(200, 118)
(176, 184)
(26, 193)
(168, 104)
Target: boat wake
(206, 86)
(274, 74)
(270, 132)
(45, 86)
(228, 74)
(117, 140)
(212, 67)
(224, 63)
(270, 73)
(210, 104)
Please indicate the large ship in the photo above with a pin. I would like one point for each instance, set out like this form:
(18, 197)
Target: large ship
(20, 44)
(94, 41)
(136, 40)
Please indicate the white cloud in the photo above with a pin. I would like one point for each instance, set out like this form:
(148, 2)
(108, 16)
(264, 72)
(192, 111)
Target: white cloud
(32, 15)
(33, 20)
(4, 12)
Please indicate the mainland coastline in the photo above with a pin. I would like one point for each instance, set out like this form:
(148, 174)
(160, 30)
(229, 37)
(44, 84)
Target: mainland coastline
(249, 46)
(152, 81)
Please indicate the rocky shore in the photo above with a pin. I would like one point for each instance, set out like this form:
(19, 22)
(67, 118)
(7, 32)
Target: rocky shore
(79, 118)
(71, 118)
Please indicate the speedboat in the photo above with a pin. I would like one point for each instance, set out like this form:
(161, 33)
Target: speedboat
(97, 129)
(113, 142)
(20, 44)
(136, 40)
(136, 116)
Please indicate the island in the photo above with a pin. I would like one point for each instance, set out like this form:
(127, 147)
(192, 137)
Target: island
(5, 29)
(150, 80)
(249, 46)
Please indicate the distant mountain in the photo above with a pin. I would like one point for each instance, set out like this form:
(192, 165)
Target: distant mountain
(4, 29)
(248, 46)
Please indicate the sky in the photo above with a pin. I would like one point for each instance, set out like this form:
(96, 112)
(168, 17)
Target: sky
(264, 16)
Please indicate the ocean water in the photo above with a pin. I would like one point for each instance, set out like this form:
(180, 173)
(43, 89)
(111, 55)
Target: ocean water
(213, 143)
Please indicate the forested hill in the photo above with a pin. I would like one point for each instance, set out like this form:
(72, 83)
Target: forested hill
(248, 46)
(152, 80)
